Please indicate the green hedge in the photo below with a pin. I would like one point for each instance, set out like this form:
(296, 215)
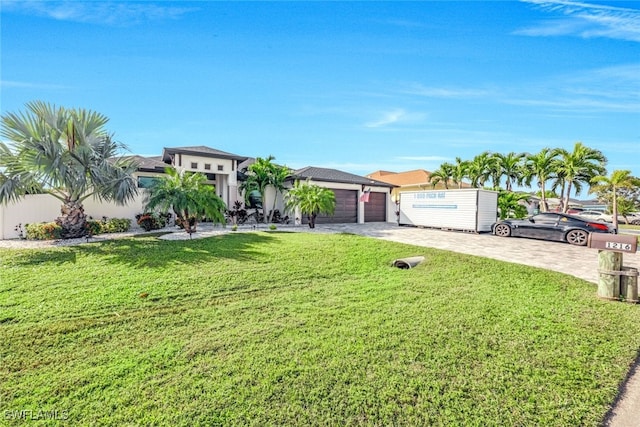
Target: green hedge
(108, 225)
(43, 231)
(52, 231)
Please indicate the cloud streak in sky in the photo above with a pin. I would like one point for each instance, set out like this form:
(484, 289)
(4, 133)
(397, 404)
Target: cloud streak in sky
(105, 13)
(388, 119)
(586, 20)
(29, 85)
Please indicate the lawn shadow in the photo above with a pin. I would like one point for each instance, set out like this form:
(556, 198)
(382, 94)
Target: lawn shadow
(31, 257)
(151, 252)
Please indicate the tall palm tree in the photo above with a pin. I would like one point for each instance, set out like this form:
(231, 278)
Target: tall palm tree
(460, 168)
(311, 199)
(66, 153)
(443, 174)
(278, 176)
(260, 175)
(188, 195)
(541, 166)
(510, 166)
(479, 169)
(578, 167)
(619, 179)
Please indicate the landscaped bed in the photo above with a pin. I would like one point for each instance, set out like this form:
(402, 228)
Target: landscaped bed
(303, 329)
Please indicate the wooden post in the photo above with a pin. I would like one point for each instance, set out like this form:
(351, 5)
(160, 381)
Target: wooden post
(629, 284)
(609, 264)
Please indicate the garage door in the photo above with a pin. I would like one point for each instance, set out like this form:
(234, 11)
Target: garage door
(346, 209)
(375, 210)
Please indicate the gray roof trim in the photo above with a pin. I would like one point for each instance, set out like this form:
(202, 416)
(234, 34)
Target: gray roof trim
(200, 150)
(334, 175)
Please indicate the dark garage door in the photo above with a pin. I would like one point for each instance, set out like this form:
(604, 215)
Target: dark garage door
(375, 210)
(346, 209)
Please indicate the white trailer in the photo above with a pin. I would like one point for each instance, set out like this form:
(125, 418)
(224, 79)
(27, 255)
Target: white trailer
(465, 209)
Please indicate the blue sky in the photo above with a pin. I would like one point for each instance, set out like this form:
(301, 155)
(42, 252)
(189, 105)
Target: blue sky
(357, 86)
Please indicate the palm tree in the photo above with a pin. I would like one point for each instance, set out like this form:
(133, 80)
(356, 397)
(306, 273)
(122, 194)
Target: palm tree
(619, 179)
(509, 204)
(188, 195)
(459, 171)
(278, 176)
(479, 169)
(443, 174)
(510, 166)
(262, 174)
(66, 153)
(541, 166)
(579, 167)
(311, 200)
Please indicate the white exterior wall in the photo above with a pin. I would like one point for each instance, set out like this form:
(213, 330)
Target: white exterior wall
(465, 209)
(226, 182)
(28, 210)
(45, 208)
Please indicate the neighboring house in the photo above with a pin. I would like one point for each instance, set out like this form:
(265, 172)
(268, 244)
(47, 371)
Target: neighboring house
(414, 180)
(349, 190)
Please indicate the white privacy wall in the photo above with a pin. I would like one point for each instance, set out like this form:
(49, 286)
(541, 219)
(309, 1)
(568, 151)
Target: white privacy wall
(46, 208)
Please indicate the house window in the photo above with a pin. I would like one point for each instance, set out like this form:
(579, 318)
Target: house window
(146, 181)
(207, 166)
(194, 165)
(220, 167)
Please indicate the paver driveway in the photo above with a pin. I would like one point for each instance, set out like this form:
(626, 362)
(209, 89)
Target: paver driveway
(578, 261)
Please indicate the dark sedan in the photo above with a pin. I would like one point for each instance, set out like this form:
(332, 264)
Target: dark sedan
(552, 226)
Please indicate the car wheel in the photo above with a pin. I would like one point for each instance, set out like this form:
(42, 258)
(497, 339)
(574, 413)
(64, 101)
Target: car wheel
(635, 222)
(502, 230)
(577, 237)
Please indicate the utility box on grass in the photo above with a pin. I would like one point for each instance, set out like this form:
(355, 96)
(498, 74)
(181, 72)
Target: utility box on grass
(464, 210)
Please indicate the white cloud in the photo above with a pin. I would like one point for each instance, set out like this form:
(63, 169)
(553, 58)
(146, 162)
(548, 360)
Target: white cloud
(97, 12)
(586, 20)
(29, 85)
(387, 119)
(614, 89)
(440, 92)
(424, 158)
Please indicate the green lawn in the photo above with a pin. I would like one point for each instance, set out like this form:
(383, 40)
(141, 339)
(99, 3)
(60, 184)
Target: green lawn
(303, 329)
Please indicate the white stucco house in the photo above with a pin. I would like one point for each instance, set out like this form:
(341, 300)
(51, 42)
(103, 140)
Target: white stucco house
(225, 171)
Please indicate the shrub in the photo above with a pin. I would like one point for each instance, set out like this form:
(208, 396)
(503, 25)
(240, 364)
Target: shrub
(43, 231)
(108, 225)
(152, 220)
(273, 227)
(116, 225)
(94, 227)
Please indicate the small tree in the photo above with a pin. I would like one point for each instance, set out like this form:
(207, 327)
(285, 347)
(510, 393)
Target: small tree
(509, 204)
(611, 185)
(262, 174)
(188, 195)
(311, 200)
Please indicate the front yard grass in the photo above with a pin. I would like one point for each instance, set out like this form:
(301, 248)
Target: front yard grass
(303, 329)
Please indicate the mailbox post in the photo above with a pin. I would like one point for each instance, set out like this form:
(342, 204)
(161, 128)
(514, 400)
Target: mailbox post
(615, 280)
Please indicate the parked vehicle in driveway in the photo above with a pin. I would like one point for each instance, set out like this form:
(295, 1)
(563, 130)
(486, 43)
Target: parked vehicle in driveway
(632, 218)
(552, 226)
(595, 215)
